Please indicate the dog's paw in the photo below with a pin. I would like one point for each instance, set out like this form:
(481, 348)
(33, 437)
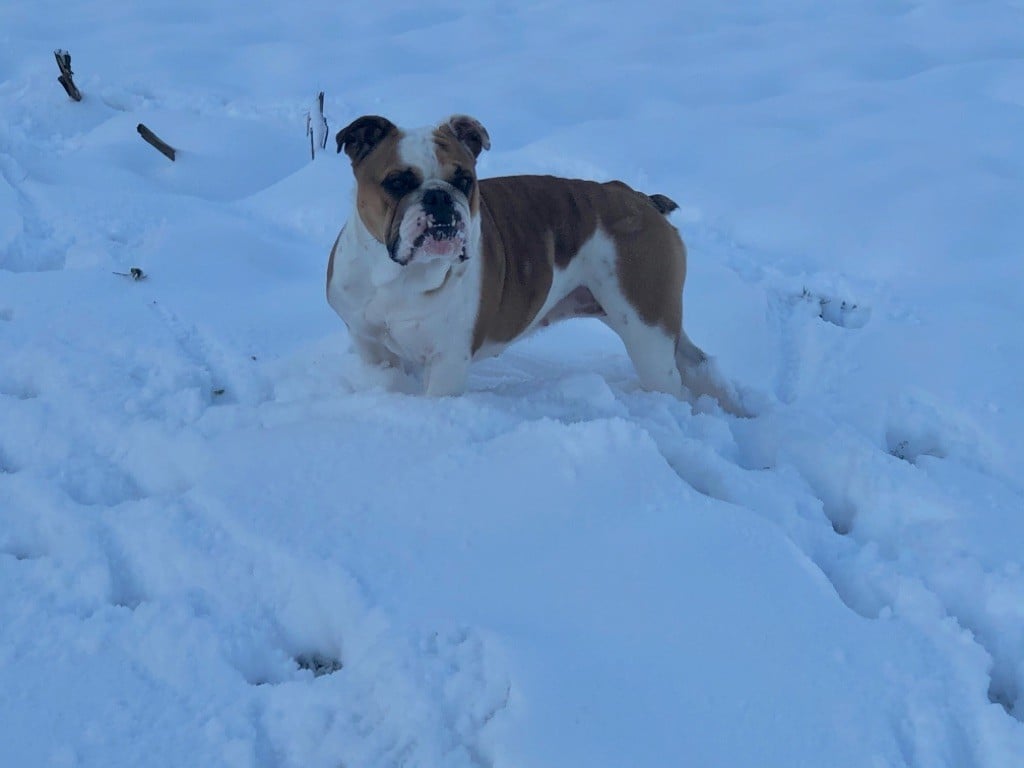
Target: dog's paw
(361, 376)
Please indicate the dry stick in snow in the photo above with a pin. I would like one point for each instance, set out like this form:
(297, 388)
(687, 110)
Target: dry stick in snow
(156, 141)
(323, 121)
(135, 274)
(317, 130)
(64, 64)
(309, 132)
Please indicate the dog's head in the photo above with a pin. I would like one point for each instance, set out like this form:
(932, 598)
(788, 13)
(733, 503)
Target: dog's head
(416, 191)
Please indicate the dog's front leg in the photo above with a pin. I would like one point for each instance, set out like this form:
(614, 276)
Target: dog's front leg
(373, 353)
(446, 374)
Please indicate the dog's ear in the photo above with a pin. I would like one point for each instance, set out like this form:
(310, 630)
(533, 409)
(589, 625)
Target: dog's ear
(470, 132)
(360, 136)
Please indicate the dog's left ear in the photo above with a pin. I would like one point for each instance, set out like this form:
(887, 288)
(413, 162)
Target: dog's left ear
(470, 132)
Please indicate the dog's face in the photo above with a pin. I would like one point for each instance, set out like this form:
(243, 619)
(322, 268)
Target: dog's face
(417, 190)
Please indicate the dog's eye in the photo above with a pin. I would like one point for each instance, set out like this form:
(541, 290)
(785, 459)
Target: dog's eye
(399, 184)
(462, 182)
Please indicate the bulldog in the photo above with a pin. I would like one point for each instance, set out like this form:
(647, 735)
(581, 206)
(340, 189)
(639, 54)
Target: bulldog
(436, 268)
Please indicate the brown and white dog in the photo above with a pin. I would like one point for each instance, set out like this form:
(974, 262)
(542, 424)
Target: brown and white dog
(437, 268)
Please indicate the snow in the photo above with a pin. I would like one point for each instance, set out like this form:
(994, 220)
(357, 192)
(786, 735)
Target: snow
(223, 542)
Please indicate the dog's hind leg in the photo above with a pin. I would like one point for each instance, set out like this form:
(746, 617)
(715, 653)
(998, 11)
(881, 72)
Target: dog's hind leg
(701, 376)
(652, 351)
(646, 327)
(651, 348)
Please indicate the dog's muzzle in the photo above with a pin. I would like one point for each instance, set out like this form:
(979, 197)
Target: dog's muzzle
(433, 229)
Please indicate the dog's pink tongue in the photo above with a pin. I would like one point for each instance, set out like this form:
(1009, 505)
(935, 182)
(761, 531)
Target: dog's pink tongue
(445, 247)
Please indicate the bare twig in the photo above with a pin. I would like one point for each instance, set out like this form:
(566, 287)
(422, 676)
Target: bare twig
(323, 121)
(134, 273)
(65, 79)
(316, 128)
(309, 132)
(151, 138)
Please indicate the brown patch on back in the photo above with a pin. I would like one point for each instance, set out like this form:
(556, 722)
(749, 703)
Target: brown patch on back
(532, 225)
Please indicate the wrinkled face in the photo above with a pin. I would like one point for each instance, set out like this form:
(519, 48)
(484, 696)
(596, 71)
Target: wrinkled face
(417, 190)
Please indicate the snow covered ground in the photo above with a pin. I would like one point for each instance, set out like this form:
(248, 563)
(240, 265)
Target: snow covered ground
(224, 543)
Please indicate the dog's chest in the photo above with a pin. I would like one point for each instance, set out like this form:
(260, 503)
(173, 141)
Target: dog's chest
(417, 311)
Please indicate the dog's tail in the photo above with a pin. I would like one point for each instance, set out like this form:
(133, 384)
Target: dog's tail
(664, 204)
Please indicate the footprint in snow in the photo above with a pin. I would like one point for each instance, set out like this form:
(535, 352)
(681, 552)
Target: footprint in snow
(843, 313)
(319, 664)
(272, 667)
(918, 427)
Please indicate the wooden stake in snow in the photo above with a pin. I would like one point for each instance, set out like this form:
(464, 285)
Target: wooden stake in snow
(65, 79)
(156, 141)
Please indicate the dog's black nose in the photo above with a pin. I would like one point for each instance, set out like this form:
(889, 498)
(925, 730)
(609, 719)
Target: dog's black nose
(439, 204)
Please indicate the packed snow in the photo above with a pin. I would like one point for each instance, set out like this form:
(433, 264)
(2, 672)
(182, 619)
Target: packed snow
(225, 542)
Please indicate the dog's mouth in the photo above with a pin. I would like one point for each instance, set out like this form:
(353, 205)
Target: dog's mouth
(438, 233)
(433, 240)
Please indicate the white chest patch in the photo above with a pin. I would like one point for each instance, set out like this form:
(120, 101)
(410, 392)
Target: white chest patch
(422, 313)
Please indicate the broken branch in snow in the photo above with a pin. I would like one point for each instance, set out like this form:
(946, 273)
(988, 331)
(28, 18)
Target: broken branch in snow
(317, 129)
(322, 125)
(135, 274)
(151, 138)
(65, 79)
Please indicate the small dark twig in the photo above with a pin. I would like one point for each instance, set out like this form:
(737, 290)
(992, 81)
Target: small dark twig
(134, 273)
(309, 132)
(162, 146)
(65, 79)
